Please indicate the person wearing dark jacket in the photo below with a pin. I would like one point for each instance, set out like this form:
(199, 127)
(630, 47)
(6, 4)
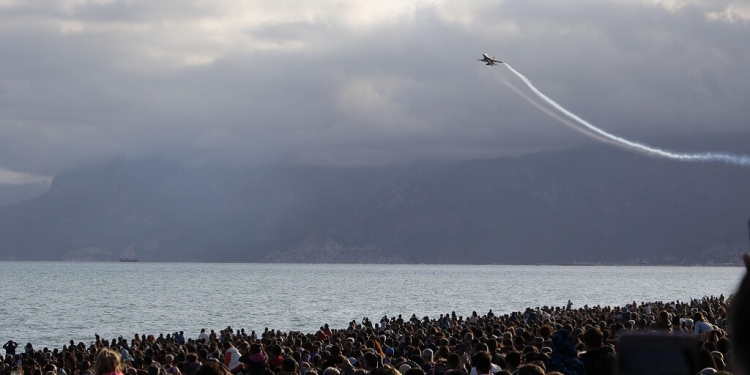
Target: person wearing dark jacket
(564, 357)
(191, 364)
(598, 359)
(739, 327)
(255, 360)
(663, 323)
(10, 347)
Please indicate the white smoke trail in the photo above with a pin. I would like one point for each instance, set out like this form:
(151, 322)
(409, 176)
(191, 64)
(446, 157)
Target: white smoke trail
(593, 131)
(549, 112)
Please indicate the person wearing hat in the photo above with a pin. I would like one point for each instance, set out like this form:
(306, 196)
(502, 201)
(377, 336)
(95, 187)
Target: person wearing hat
(389, 352)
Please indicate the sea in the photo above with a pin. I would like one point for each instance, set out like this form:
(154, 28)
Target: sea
(50, 303)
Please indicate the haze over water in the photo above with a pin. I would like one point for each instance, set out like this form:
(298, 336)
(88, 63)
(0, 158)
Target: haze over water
(48, 304)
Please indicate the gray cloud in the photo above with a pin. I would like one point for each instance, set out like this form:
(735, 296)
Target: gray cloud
(355, 83)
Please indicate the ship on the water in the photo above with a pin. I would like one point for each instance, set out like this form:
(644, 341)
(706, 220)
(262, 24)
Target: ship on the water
(129, 258)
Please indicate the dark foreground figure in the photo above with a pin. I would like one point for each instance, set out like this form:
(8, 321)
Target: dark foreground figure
(547, 340)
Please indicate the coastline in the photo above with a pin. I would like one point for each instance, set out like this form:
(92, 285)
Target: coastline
(580, 264)
(555, 316)
(114, 298)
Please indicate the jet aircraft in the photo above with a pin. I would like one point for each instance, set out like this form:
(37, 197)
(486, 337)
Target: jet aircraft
(489, 60)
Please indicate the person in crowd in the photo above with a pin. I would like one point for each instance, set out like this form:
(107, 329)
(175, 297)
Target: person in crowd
(530, 369)
(255, 360)
(10, 348)
(564, 357)
(482, 362)
(191, 365)
(739, 325)
(169, 366)
(212, 368)
(598, 359)
(700, 324)
(663, 323)
(108, 362)
(232, 357)
(554, 339)
(290, 367)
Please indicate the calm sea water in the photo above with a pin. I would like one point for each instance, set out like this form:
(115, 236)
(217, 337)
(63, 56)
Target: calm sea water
(48, 304)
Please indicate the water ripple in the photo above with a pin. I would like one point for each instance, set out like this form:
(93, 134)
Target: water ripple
(50, 303)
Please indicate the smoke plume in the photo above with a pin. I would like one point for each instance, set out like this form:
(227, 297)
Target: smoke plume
(590, 130)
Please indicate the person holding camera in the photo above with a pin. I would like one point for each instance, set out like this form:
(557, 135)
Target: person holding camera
(10, 348)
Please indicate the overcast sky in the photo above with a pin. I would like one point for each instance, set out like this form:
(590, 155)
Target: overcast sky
(361, 82)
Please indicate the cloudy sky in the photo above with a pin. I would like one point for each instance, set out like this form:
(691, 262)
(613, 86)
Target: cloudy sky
(360, 82)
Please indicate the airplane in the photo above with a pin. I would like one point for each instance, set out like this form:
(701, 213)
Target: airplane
(488, 60)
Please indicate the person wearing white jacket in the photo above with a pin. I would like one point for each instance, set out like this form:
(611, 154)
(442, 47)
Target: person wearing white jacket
(232, 357)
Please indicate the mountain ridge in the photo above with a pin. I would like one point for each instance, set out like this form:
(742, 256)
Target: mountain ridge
(590, 204)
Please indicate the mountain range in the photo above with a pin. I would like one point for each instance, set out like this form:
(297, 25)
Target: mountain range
(593, 204)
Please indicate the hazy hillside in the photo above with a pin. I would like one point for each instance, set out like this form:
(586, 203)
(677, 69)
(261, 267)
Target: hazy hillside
(593, 204)
(11, 194)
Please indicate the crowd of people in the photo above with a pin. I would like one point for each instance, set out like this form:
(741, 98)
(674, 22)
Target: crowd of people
(545, 340)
